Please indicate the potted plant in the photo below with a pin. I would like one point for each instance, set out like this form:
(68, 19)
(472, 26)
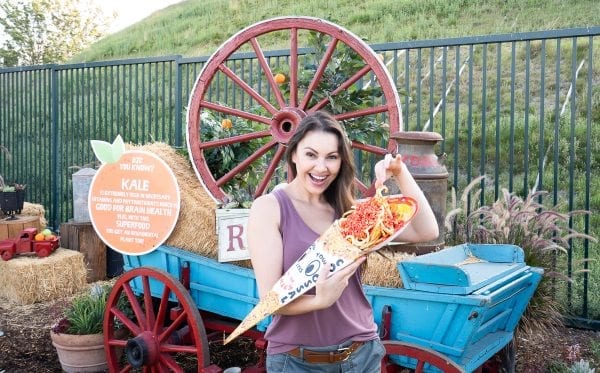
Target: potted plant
(77, 336)
(12, 198)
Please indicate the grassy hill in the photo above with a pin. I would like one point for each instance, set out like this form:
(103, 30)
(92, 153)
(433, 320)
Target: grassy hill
(197, 27)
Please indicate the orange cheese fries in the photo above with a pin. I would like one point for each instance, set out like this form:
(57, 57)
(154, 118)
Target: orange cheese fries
(375, 219)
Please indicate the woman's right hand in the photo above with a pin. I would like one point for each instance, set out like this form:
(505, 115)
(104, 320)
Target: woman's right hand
(387, 167)
(329, 289)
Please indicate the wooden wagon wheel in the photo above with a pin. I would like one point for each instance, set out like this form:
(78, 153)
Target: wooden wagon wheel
(154, 330)
(423, 357)
(282, 94)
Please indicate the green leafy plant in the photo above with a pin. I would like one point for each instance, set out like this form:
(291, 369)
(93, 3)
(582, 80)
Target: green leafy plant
(581, 366)
(542, 232)
(557, 367)
(222, 159)
(12, 188)
(344, 63)
(595, 350)
(85, 314)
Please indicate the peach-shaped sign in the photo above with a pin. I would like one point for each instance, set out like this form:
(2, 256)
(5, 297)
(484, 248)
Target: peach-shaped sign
(134, 199)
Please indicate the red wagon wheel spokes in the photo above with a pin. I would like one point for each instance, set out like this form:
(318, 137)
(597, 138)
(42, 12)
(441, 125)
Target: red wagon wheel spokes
(319, 73)
(267, 71)
(423, 357)
(246, 104)
(235, 112)
(248, 89)
(161, 323)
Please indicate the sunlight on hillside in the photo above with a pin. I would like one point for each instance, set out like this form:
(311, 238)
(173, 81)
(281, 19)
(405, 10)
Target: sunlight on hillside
(126, 13)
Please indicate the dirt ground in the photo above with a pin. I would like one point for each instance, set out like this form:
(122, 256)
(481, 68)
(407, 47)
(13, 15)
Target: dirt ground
(25, 344)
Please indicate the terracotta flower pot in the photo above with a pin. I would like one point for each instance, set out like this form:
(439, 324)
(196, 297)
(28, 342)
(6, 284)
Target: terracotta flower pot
(80, 353)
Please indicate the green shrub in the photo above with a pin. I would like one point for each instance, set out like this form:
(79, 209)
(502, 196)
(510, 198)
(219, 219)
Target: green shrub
(85, 314)
(595, 350)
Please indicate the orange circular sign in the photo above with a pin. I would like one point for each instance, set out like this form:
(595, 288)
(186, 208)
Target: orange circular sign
(134, 202)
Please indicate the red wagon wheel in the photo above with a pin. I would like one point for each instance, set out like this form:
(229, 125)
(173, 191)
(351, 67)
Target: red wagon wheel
(158, 331)
(424, 357)
(242, 112)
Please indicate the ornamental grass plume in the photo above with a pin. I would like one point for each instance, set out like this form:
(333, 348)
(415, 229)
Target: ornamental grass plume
(542, 232)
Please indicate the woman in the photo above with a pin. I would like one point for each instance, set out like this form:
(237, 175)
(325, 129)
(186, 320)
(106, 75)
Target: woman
(329, 329)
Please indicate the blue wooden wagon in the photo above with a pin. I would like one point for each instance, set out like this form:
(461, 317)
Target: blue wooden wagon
(458, 308)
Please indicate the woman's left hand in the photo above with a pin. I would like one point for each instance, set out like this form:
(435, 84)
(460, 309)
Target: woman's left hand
(387, 167)
(329, 289)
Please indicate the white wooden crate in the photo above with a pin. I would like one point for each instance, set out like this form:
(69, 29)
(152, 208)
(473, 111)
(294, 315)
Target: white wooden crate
(231, 234)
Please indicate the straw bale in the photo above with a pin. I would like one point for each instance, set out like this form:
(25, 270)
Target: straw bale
(29, 279)
(383, 271)
(195, 230)
(34, 209)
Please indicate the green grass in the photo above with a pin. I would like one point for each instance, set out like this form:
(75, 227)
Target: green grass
(197, 27)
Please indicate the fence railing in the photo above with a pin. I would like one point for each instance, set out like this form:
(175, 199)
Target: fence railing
(522, 109)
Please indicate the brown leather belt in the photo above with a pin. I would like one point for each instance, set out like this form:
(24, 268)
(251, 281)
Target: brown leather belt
(324, 357)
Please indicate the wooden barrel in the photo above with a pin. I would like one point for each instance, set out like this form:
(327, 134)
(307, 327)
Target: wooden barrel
(12, 227)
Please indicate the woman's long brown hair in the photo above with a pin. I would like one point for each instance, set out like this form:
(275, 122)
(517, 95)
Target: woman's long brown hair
(340, 194)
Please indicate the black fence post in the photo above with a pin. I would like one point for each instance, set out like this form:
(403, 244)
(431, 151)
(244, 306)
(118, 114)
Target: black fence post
(53, 149)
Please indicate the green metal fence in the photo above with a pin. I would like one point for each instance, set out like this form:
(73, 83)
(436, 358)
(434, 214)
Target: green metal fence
(522, 109)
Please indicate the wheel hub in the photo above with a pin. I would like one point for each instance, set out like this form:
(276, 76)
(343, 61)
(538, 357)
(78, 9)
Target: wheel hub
(285, 122)
(141, 350)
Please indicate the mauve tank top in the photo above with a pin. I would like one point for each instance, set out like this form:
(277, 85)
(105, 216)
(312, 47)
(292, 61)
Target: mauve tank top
(351, 317)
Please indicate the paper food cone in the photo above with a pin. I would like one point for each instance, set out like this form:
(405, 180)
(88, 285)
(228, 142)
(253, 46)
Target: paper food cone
(331, 248)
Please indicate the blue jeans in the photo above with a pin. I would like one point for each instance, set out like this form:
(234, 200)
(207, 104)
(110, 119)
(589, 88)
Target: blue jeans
(366, 359)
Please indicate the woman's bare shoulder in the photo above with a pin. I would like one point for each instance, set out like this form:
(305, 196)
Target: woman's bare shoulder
(264, 220)
(265, 207)
(265, 202)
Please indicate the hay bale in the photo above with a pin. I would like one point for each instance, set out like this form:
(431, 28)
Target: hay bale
(33, 209)
(195, 230)
(383, 271)
(29, 279)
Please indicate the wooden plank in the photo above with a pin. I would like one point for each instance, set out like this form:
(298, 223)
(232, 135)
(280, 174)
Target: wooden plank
(94, 251)
(83, 238)
(64, 236)
(3, 231)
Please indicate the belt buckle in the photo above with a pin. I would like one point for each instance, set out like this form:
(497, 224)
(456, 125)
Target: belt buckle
(342, 349)
(345, 351)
